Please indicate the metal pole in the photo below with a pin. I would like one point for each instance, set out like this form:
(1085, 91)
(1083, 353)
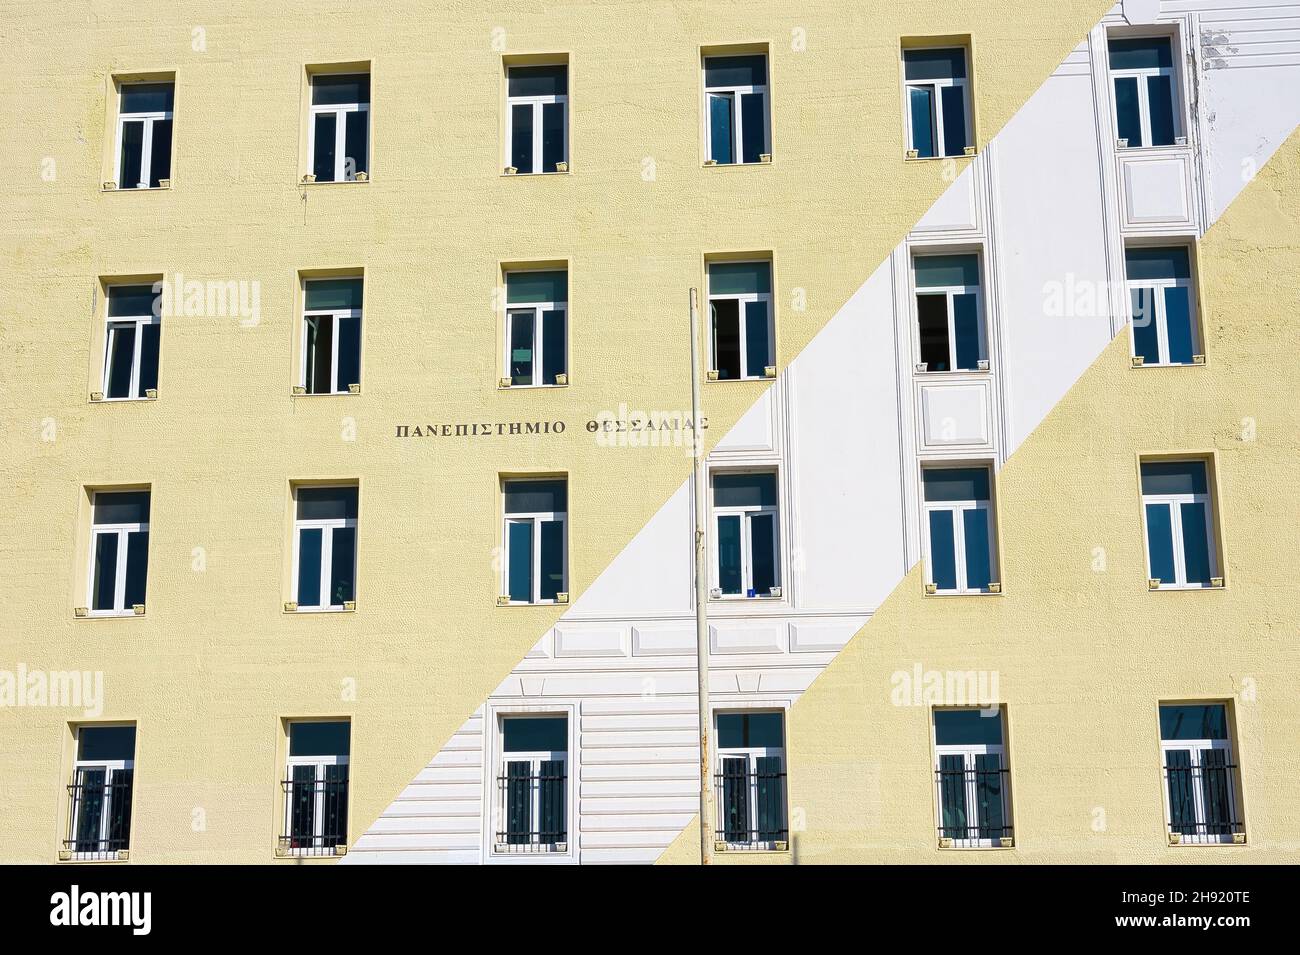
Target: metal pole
(701, 596)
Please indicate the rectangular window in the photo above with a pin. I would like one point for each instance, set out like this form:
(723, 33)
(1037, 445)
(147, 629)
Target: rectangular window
(132, 333)
(742, 334)
(533, 785)
(535, 539)
(338, 131)
(1179, 512)
(960, 552)
(536, 331)
(1202, 795)
(331, 336)
(750, 780)
(938, 102)
(315, 787)
(1162, 305)
(99, 796)
(325, 547)
(736, 110)
(746, 535)
(1146, 91)
(537, 118)
(971, 779)
(119, 551)
(950, 312)
(144, 134)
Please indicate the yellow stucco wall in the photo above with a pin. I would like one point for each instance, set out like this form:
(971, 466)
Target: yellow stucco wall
(1084, 653)
(214, 665)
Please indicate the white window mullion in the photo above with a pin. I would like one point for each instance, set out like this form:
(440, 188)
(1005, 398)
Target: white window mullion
(326, 555)
(340, 145)
(119, 573)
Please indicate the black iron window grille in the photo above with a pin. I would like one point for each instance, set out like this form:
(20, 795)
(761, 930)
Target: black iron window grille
(315, 809)
(99, 812)
(751, 802)
(974, 800)
(1202, 797)
(532, 808)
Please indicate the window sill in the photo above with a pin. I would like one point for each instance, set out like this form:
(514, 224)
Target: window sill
(113, 401)
(712, 164)
(529, 603)
(314, 610)
(534, 175)
(954, 373)
(113, 187)
(1136, 365)
(514, 387)
(88, 858)
(1172, 149)
(753, 379)
(777, 847)
(106, 614)
(924, 159)
(964, 593)
(309, 855)
(302, 181)
(1185, 588)
(942, 848)
(323, 394)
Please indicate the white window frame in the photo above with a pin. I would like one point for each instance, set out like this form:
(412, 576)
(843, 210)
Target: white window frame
(746, 514)
(536, 519)
(537, 103)
(122, 532)
(327, 527)
(148, 117)
(949, 293)
(1174, 502)
(340, 130)
(958, 508)
(537, 309)
(109, 766)
(1144, 102)
(318, 796)
(1161, 317)
(742, 299)
(117, 323)
(334, 314)
(970, 783)
(936, 100)
(535, 758)
(734, 93)
(1194, 748)
(751, 754)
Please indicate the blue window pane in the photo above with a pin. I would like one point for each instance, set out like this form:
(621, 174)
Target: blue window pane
(952, 796)
(988, 795)
(302, 824)
(720, 129)
(753, 121)
(743, 70)
(944, 64)
(740, 278)
(105, 579)
(132, 152)
(750, 730)
(1196, 545)
(327, 503)
(519, 803)
(966, 323)
(121, 356)
(537, 497)
(1193, 721)
(521, 347)
(148, 97)
(1128, 115)
(769, 796)
(552, 80)
(356, 143)
(137, 567)
(965, 727)
(325, 738)
(726, 338)
(1160, 109)
(349, 365)
(1178, 323)
(1146, 335)
(1160, 543)
(1182, 801)
(921, 104)
(939, 271)
(954, 121)
(521, 137)
(342, 294)
(1141, 53)
(551, 819)
(106, 742)
(340, 89)
(729, 554)
(956, 484)
(535, 288)
(323, 147)
(975, 524)
(552, 557)
(762, 530)
(758, 346)
(309, 559)
(1174, 477)
(932, 329)
(553, 350)
(535, 734)
(552, 135)
(132, 301)
(90, 808)
(520, 584)
(1215, 792)
(121, 507)
(744, 489)
(343, 562)
(1157, 262)
(943, 551)
(149, 340)
(160, 153)
(734, 811)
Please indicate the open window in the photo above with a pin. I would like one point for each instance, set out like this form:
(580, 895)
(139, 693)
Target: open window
(1162, 306)
(315, 787)
(331, 336)
(537, 118)
(338, 131)
(536, 330)
(938, 102)
(324, 547)
(1178, 506)
(535, 539)
(144, 134)
(742, 332)
(132, 336)
(746, 534)
(1144, 78)
(972, 779)
(99, 795)
(950, 324)
(957, 506)
(533, 785)
(737, 119)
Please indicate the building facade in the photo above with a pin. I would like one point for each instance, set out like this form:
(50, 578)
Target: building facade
(369, 539)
